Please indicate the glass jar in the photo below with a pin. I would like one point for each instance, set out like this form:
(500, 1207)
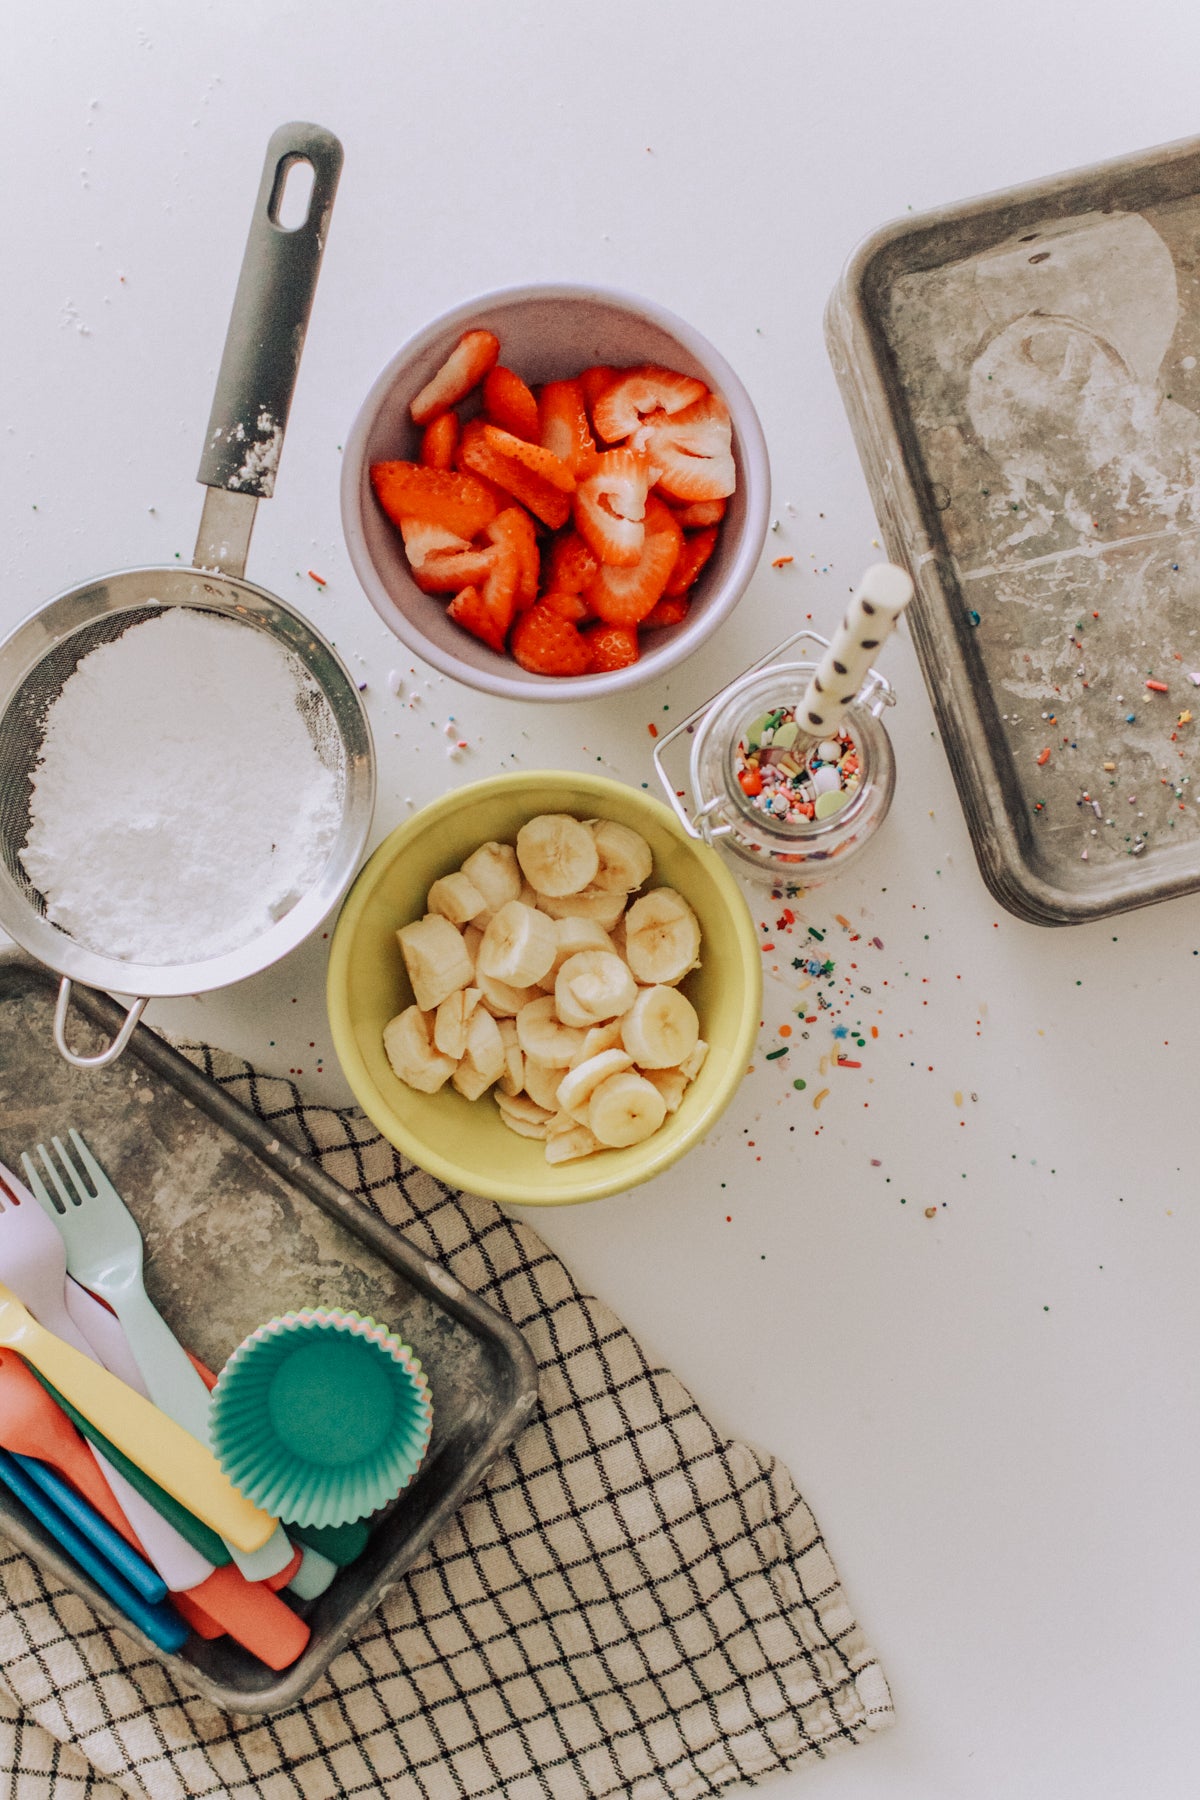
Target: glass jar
(780, 829)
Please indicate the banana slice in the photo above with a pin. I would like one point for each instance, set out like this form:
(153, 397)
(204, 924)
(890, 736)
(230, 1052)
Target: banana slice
(543, 1037)
(485, 1046)
(576, 934)
(624, 1109)
(662, 937)
(625, 859)
(522, 1116)
(557, 854)
(541, 1083)
(501, 1000)
(598, 1038)
(470, 1081)
(484, 1062)
(592, 986)
(413, 1058)
(494, 871)
(575, 1089)
(569, 1143)
(457, 898)
(436, 959)
(692, 1065)
(513, 1079)
(451, 1020)
(589, 903)
(518, 946)
(661, 1028)
(671, 1083)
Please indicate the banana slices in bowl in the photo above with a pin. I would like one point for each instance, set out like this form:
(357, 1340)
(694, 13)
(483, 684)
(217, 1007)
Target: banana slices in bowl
(540, 973)
(542, 990)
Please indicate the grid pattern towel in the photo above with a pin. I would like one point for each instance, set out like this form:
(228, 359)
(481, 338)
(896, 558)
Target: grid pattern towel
(629, 1605)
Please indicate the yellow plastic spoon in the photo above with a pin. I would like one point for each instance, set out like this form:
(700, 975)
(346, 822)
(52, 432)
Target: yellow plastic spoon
(170, 1455)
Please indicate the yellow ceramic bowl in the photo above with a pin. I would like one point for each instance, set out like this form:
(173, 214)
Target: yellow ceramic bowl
(464, 1142)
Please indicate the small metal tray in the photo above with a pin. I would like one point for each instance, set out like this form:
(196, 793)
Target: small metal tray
(238, 1227)
(1022, 377)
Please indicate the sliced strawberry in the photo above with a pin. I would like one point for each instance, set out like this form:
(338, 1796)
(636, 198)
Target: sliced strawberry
(698, 513)
(442, 562)
(500, 588)
(514, 527)
(638, 392)
(623, 596)
(563, 426)
(611, 647)
(666, 611)
(507, 402)
(441, 496)
(479, 455)
(470, 610)
(467, 364)
(446, 572)
(570, 564)
(691, 450)
(610, 507)
(698, 546)
(594, 381)
(567, 606)
(546, 644)
(423, 539)
(488, 610)
(542, 463)
(439, 441)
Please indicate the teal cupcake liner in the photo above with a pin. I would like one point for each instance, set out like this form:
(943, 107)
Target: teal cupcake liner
(321, 1416)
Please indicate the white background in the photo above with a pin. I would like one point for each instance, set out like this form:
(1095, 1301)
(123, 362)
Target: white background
(992, 1411)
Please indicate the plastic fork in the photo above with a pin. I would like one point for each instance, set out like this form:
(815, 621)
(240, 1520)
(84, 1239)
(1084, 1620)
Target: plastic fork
(105, 1254)
(33, 1262)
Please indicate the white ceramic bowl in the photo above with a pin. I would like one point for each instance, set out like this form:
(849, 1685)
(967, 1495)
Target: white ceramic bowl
(547, 333)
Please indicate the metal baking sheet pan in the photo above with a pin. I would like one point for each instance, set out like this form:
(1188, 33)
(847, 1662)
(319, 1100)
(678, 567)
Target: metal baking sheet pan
(238, 1227)
(1022, 376)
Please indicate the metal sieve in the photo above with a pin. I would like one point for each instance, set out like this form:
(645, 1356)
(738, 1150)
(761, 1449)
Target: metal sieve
(253, 397)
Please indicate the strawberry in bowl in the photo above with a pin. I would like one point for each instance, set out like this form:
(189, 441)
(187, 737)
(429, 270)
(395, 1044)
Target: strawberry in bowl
(556, 492)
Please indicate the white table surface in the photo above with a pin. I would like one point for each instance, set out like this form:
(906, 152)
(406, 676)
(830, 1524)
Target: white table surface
(992, 1410)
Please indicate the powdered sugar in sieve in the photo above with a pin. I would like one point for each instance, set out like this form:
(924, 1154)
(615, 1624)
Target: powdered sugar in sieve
(187, 791)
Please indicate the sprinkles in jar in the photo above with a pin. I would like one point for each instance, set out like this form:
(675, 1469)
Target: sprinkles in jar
(791, 770)
(787, 780)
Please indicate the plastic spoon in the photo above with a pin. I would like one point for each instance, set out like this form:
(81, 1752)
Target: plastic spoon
(161, 1624)
(32, 1425)
(108, 1543)
(163, 1449)
(207, 1544)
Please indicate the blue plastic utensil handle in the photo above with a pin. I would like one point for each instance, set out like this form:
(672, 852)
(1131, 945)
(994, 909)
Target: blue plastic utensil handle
(136, 1570)
(161, 1624)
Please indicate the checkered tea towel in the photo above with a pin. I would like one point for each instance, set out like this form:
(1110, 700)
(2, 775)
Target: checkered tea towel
(629, 1605)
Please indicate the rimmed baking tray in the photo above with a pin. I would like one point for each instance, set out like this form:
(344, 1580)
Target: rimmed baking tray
(1022, 377)
(240, 1226)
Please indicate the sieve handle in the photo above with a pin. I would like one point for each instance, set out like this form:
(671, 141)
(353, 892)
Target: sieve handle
(270, 317)
(111, 1051)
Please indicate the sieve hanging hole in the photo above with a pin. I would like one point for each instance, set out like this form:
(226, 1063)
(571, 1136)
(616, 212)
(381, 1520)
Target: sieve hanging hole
(291, 197)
